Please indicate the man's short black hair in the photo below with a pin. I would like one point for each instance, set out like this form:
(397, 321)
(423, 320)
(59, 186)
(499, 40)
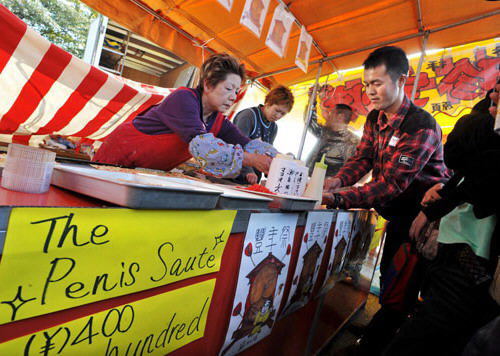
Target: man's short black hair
(347, 109)
(394, 58)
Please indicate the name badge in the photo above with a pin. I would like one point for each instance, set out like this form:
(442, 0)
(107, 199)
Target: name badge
(393, 141)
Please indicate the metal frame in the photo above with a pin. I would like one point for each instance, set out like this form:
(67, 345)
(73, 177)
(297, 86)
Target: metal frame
(310, 104)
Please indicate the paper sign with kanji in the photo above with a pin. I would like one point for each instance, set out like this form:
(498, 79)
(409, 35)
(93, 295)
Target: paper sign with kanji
(262, 276)
(341, 236)
(309, 260)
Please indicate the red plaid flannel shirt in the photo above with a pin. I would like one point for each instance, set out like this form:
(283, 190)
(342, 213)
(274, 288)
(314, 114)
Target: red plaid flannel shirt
(397, 159)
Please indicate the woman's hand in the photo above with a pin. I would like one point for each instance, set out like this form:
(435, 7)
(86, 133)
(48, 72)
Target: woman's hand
(417, 227)
(259, 162)
(432, 194)
(251, 178)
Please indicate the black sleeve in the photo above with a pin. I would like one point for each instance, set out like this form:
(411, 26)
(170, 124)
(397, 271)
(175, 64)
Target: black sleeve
(245, 120)
(273, 133)
(473, 149)
(452, 195)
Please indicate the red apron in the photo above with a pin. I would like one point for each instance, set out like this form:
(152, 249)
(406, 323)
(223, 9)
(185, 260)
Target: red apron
(128, 147)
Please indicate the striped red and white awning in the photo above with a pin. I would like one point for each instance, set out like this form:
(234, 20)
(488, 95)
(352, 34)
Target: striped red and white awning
(45, 90)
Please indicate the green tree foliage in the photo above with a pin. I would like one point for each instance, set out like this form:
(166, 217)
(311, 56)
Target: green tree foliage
(62, 22)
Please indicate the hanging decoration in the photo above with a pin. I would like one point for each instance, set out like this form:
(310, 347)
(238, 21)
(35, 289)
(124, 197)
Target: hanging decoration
(279, 32)
(228, 4)
(254, 14)
(303, 50)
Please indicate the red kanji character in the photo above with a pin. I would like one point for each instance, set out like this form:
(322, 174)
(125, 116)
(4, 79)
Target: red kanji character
(424, 83)
(351, 93)
(465, 80)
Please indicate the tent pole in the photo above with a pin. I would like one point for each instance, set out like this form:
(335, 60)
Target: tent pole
(312, 101)
(419, 68)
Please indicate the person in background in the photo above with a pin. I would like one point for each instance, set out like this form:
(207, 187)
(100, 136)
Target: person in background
(259, 122)
(402, 144)
(189, 123)
(457, 302)
(335, 140)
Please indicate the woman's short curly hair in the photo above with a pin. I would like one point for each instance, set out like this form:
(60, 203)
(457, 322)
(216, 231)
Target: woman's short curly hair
(215, 69)
(280, 95)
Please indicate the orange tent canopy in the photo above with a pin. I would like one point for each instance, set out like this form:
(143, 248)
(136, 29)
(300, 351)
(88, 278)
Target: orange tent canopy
(344, 31)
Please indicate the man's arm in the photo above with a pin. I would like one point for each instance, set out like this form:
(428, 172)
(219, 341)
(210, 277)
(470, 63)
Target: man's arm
(410, 156)
(361, 162)
(315, 128)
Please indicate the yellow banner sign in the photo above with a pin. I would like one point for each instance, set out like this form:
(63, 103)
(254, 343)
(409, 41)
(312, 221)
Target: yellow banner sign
(59, 258)
(153, 326)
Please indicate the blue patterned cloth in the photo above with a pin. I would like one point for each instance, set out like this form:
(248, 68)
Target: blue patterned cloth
(217, 157)
(261, 147)
(222, 159)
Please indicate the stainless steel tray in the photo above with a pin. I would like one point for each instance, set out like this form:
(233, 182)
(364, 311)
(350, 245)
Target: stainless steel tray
(230, 198)
(287, 202)
(134, 190)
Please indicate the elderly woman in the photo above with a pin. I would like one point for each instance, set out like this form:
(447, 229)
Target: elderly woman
(190, 123)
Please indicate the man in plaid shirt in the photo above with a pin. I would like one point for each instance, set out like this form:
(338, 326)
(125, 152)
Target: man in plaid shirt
(401, 143)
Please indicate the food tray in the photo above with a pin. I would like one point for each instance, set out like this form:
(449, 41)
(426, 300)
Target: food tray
(134, 190)
(230, 198)
(286, 202)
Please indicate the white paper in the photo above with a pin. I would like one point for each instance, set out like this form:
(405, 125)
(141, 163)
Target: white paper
(286, 176)
(228, 4)
(261, 281)
(279, 32)
(393, 141)
(309, 261)
(303, 50)
(341, 237)
(254, 14)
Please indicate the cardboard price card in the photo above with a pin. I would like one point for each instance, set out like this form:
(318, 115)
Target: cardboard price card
(57, 258)
(261, 280)
(153, 326)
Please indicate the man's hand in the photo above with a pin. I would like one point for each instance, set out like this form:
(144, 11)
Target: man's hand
(259, 162)
(429, 248)
(417, 227)
(332, 184)
(251, 178)
(332, 200)
(432, 194)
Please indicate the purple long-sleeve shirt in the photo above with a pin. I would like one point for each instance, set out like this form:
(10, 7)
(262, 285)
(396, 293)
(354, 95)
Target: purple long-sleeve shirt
(181, 113)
